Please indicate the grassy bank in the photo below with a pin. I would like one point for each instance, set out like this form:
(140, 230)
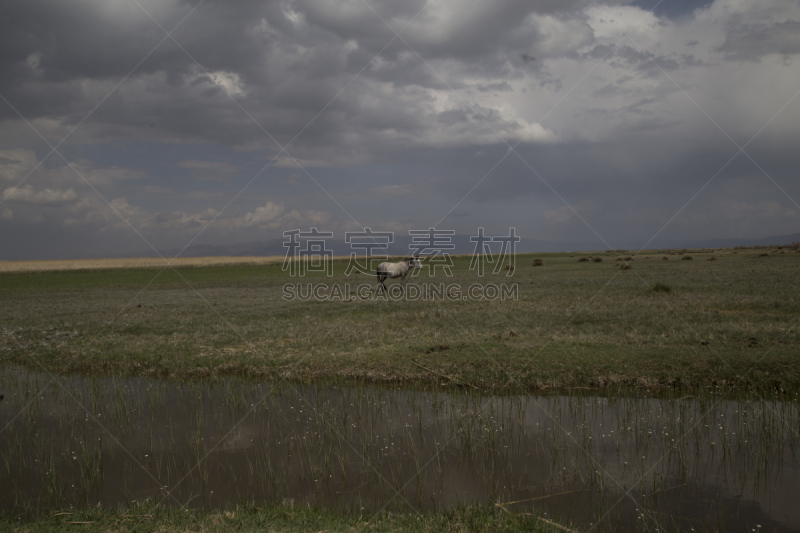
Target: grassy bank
(129, 263)
(729, 322)
(284, 518)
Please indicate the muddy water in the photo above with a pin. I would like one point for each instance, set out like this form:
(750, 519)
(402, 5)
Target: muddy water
(621, 463)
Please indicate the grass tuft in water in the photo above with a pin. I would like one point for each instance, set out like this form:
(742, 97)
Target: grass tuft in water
(148, 516)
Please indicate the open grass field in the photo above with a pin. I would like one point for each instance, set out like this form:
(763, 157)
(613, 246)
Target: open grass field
(730, 323)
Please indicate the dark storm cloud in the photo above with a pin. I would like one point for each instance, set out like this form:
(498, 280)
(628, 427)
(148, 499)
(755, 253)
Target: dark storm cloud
(396, 130)
(72, 41)
(283, 62)
(100, 40)
(628, 199)
(61, 58)
(608, 173)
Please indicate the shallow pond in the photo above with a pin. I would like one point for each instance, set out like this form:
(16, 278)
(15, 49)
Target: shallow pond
(625, 463)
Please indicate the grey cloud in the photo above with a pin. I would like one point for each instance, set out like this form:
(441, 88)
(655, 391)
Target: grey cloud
(750, 42)
(460, 30)
(673, 9)
(27, 194)
(503, 86)
(208, 170)
(691, 61)
(609, 89)
(15, 163)
(619, 141)
(613, 173)
(288, 68)
(452, 117)
(640, 105)
(643, 61)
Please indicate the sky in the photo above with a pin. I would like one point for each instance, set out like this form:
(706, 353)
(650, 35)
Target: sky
(152, 125)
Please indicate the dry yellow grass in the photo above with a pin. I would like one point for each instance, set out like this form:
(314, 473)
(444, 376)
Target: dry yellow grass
(138, 262)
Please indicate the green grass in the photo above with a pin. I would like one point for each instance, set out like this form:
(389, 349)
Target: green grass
(731, 323)
(282, 518)
(121, 278)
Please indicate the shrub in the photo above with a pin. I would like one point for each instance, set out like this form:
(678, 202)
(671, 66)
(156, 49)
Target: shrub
(582, 259)
(598, 259)
(763, 255)
(712, 258)
(687, 258)
(665, 258)
(538, 262)
(624, 266)
(510, 268)
(628, 258)
(661, 287)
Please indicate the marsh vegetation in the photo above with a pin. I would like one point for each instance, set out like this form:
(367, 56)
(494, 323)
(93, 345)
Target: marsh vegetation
(622, 463)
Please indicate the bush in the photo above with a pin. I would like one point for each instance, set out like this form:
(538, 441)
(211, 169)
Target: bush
(712, 258)
(582, 259)
(598, 259)
(624, 266)
(687, 258)
(665, 258)
(661, 287)
(538, 262)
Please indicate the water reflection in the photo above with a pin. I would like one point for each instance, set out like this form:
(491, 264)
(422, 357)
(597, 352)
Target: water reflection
(625, 463)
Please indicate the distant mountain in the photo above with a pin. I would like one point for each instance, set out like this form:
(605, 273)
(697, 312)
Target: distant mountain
(461, 245)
